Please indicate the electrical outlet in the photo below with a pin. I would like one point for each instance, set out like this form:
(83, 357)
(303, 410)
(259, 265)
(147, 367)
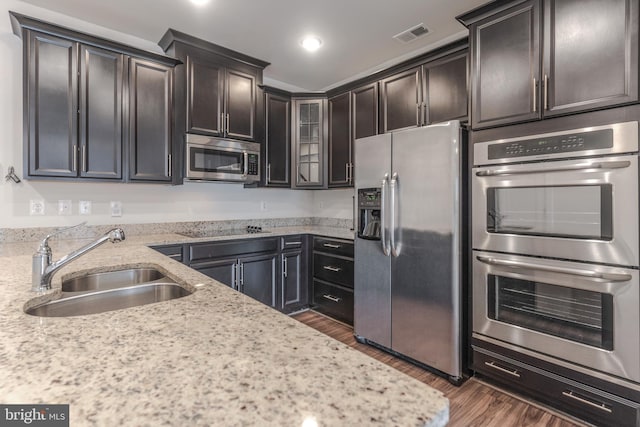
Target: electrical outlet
(116, 208)
(36, 207)
(263, 206)
(64, 207)
(84, 207)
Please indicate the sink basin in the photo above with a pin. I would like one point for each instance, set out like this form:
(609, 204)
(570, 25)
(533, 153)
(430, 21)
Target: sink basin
(111, 279)
(108, 300)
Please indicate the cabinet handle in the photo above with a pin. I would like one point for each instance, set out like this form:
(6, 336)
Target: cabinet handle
(284, 267)
(535, 96)
(170, 165)
(546, 92)
(222, 123)
(332, 246)
(350, 173)
(74, 158)
(292, 243)
(234, 277)
(84, 157)
(346, 172)
(332, 268)
(332, 298)
(418, 110)
(501, 369)
(227, 125)
(580, 399)
(242, 274)
(424, 114)
(269, 172)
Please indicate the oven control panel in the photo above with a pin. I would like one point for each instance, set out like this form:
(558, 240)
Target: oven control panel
(594, 140)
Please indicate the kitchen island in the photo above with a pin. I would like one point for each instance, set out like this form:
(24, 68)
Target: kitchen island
(215, 357)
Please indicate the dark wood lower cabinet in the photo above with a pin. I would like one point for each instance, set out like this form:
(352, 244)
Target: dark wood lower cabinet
(258, 277)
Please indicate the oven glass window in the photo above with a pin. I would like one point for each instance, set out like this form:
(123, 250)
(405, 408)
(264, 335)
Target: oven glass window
(581, 212)
(208, 160)
(574, 314)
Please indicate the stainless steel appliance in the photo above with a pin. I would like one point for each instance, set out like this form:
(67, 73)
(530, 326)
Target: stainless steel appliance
(408, 250)
(215, 159)
(555, 239)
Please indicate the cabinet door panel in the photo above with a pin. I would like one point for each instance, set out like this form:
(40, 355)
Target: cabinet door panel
(240, 105)
(294, 282)
(258, 278)
(446, 89)
(339, 140)
(506, 67)
(52, 106)
(100, 113)
(401, 98)
(150, 87)
(204, 96)
(278, 140)
(600, 66)
(365, 111)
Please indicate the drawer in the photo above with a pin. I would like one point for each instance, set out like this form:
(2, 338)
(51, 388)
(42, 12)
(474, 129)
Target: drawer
(333, 301)
(333, 246)
(210, 250)
(292, 242)
(585, 402)
(333, 269)
(172, 251)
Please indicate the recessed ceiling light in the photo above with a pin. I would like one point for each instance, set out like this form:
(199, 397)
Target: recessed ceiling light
(200, 2)
(311, 43)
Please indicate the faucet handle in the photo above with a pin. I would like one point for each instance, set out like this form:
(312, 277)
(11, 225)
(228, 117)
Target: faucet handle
(44, 245)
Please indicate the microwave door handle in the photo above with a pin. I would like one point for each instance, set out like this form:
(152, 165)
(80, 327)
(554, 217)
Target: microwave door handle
(383, 215)
(590, 274)
(245, 161)
(620, 164)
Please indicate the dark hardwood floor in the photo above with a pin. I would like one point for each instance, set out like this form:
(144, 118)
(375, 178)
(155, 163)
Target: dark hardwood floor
(474, 404)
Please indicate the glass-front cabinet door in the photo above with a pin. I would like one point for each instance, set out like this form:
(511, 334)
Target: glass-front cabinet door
(308, 144)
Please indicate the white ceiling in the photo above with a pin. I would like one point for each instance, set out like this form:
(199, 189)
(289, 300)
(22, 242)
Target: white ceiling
(356, 34)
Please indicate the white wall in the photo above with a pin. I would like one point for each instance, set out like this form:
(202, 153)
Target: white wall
(142, 203)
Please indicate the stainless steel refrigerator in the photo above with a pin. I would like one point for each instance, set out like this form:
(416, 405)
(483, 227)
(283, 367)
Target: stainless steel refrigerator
(409, 247)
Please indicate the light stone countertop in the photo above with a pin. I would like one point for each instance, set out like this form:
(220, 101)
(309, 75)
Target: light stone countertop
(216, 357)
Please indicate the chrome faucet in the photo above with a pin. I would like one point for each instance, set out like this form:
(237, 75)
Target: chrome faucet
(43, 267)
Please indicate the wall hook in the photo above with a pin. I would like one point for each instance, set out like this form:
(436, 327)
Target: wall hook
(11, 175)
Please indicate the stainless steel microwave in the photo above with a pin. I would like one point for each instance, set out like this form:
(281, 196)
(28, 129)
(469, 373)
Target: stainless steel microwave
(215, 159)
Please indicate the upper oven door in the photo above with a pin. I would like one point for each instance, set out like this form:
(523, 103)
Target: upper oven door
(583, 313)
(584, 209)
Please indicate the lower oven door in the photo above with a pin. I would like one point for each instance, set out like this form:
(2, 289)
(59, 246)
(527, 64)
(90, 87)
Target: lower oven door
(581, 313)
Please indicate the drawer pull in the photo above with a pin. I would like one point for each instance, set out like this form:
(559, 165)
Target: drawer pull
(332, 268)
(332, 246)
(332, 298)
(580, 399)
(501, 369)
(175, 256)
(292, 243)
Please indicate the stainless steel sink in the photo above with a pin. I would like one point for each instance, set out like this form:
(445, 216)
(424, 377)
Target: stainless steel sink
(112, 279)
(108, 300)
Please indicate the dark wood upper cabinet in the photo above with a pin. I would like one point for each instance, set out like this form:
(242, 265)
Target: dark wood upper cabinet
(205, 95)
(240, 103)
(544, 58)
(50, 112)
(150, 120)
(505, 65)
(364, 103)
(590, 54)
(278, 140)
(101, 79)
(401, 100)
(340, 141)
(446, 89)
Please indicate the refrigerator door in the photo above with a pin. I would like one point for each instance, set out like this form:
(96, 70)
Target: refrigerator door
(372, 268)
(425, 273)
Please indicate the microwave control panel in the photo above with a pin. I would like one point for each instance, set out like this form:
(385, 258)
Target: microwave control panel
(252, 164)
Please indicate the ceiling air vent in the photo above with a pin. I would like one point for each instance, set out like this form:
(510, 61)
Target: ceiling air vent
(412, 33)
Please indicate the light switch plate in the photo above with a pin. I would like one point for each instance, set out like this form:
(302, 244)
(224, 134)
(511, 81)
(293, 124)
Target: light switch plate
(116, 208)
(36, 207)
(84, 207)
(64, 207)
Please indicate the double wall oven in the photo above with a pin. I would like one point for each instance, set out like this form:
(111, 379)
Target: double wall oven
(555, 241)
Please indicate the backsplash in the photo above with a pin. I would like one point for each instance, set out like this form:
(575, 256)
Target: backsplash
(11, 235)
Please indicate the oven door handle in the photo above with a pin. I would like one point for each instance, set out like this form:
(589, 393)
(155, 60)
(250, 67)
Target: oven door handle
(620, 164)
(611, 277)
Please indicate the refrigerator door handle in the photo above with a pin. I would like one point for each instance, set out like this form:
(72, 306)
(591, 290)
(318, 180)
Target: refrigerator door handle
(383, 215)
(395, 248)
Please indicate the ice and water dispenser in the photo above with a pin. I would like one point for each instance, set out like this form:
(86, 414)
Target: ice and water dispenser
(369, 205)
